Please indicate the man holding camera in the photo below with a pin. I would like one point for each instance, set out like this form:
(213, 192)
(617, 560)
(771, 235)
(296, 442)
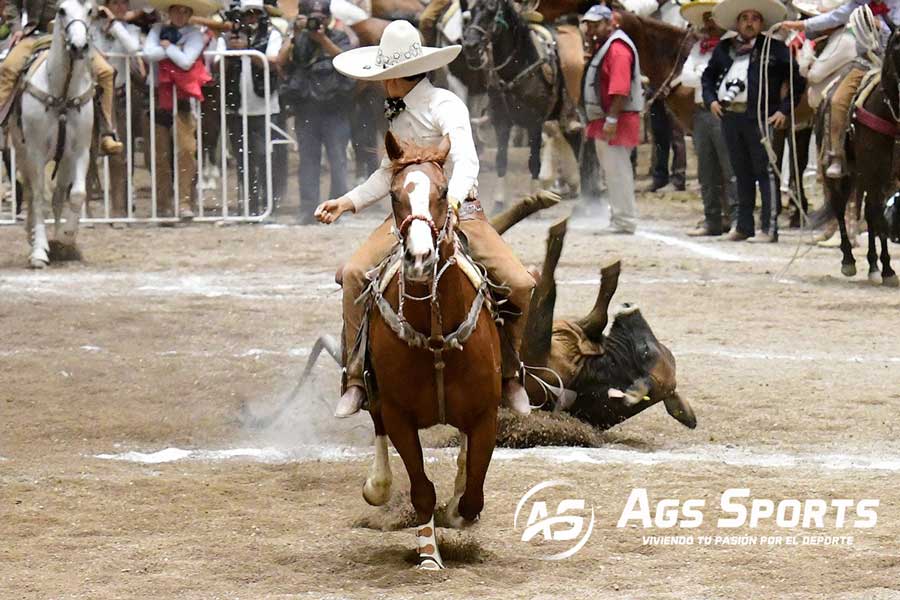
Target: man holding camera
(245, 94)
(320, 97)
(731, 91)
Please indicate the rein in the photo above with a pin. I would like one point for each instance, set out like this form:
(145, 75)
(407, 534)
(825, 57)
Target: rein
(676, 69)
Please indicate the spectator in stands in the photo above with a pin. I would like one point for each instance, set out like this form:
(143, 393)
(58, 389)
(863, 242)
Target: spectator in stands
(320, 97)
(114, 36)
(176, 49)
(245, 95)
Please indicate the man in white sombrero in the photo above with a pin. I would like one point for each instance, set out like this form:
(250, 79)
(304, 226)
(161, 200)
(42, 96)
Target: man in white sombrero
(717, 187)
(731, 91)
(421, 113)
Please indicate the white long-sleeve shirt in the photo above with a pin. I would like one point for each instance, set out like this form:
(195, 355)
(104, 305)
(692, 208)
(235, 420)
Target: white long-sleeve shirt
(693, 69)
(430, 114)
(119, 39)
(184, 54)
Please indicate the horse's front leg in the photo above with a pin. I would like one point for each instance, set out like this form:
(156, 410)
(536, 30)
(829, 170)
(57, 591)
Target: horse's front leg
(502, 128)
(77, 193)
(482, 439)
(40, 246)
(534, 156)
(405, 437)
(459, 484)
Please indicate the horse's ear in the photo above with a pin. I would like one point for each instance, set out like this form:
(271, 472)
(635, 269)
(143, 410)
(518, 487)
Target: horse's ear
(394, 151)
(444, 148)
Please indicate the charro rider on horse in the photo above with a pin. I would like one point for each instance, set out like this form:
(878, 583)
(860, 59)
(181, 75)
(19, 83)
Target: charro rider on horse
(423, 114)
(849, 85)
(37, 16)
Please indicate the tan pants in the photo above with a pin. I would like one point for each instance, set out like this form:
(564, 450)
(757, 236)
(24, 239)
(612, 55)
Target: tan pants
(12, 66)
(429, 18)
(840, 111)
(487, 248)
(186, 147)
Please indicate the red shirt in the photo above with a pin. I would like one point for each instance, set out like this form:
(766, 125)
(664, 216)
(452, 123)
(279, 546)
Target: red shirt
(615, 80)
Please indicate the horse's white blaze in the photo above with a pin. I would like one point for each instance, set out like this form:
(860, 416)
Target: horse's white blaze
(419, 241)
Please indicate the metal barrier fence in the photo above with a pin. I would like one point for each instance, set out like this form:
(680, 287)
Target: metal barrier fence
(210, 206)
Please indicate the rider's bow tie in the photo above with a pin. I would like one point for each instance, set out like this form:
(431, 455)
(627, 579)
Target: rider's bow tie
(393, 107)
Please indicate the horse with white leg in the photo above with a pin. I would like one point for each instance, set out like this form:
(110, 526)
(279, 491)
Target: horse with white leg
(53, 121)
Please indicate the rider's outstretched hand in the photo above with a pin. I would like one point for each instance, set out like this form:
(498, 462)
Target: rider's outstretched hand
(330, 211)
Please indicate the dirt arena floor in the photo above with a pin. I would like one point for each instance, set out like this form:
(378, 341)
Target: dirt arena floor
(125, 471)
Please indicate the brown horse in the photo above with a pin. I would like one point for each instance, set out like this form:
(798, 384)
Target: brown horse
(870, 149)
(662, 50)
(434, 350)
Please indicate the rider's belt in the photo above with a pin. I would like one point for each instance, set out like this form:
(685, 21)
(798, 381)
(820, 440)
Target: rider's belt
(471, 209)
(737, 107)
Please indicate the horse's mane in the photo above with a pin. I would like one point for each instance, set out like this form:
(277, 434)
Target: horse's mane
(413, 154)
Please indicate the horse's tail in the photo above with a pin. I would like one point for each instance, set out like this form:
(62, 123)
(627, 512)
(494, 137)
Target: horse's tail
(325, 342)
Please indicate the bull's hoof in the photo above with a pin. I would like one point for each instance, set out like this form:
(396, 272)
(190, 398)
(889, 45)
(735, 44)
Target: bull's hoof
(848, 270)
(891, 281)
(62, 252)
(680, 410)
(874, 277)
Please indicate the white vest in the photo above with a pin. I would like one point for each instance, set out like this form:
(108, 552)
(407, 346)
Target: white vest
(635, 101)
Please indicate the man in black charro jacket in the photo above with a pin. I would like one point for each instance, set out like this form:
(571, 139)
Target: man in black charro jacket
(731, 90)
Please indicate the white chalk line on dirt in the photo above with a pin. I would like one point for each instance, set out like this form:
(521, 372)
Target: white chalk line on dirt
(606, 455)
(817, 357)
(704, 250)
(303, 351)
(248, 286)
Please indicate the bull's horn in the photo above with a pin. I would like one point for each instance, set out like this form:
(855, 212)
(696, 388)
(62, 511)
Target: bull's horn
(594, 324)
(680, 410)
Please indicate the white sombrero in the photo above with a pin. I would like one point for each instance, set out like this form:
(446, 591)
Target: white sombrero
(400, 54)
(693, 12)
(727, 12)
(201, 8)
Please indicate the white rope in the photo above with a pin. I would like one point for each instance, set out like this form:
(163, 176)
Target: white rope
(762, 123)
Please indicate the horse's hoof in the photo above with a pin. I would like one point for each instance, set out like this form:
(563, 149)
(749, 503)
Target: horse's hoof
(891, 281)
(874, 278)
(39, 263)
(429, 564)
(848, 270)
(62, 252)
(377, 493)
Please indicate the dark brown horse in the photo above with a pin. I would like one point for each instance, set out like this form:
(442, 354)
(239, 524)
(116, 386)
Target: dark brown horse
(662, 50)
(525, 85)
(434, 349)
(871, 175)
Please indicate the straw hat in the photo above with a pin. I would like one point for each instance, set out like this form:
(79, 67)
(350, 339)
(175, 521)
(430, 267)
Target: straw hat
(400, 54)
(693, 12)
(201, 8)
(726, 12)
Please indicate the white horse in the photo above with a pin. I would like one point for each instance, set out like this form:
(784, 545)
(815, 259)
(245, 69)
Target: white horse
(54, 121)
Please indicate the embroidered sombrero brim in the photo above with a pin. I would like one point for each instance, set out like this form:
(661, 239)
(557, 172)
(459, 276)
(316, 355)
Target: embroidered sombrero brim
(727, 12)
(362, 63)
(201, 8)
(810, 8)
(693, 12)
